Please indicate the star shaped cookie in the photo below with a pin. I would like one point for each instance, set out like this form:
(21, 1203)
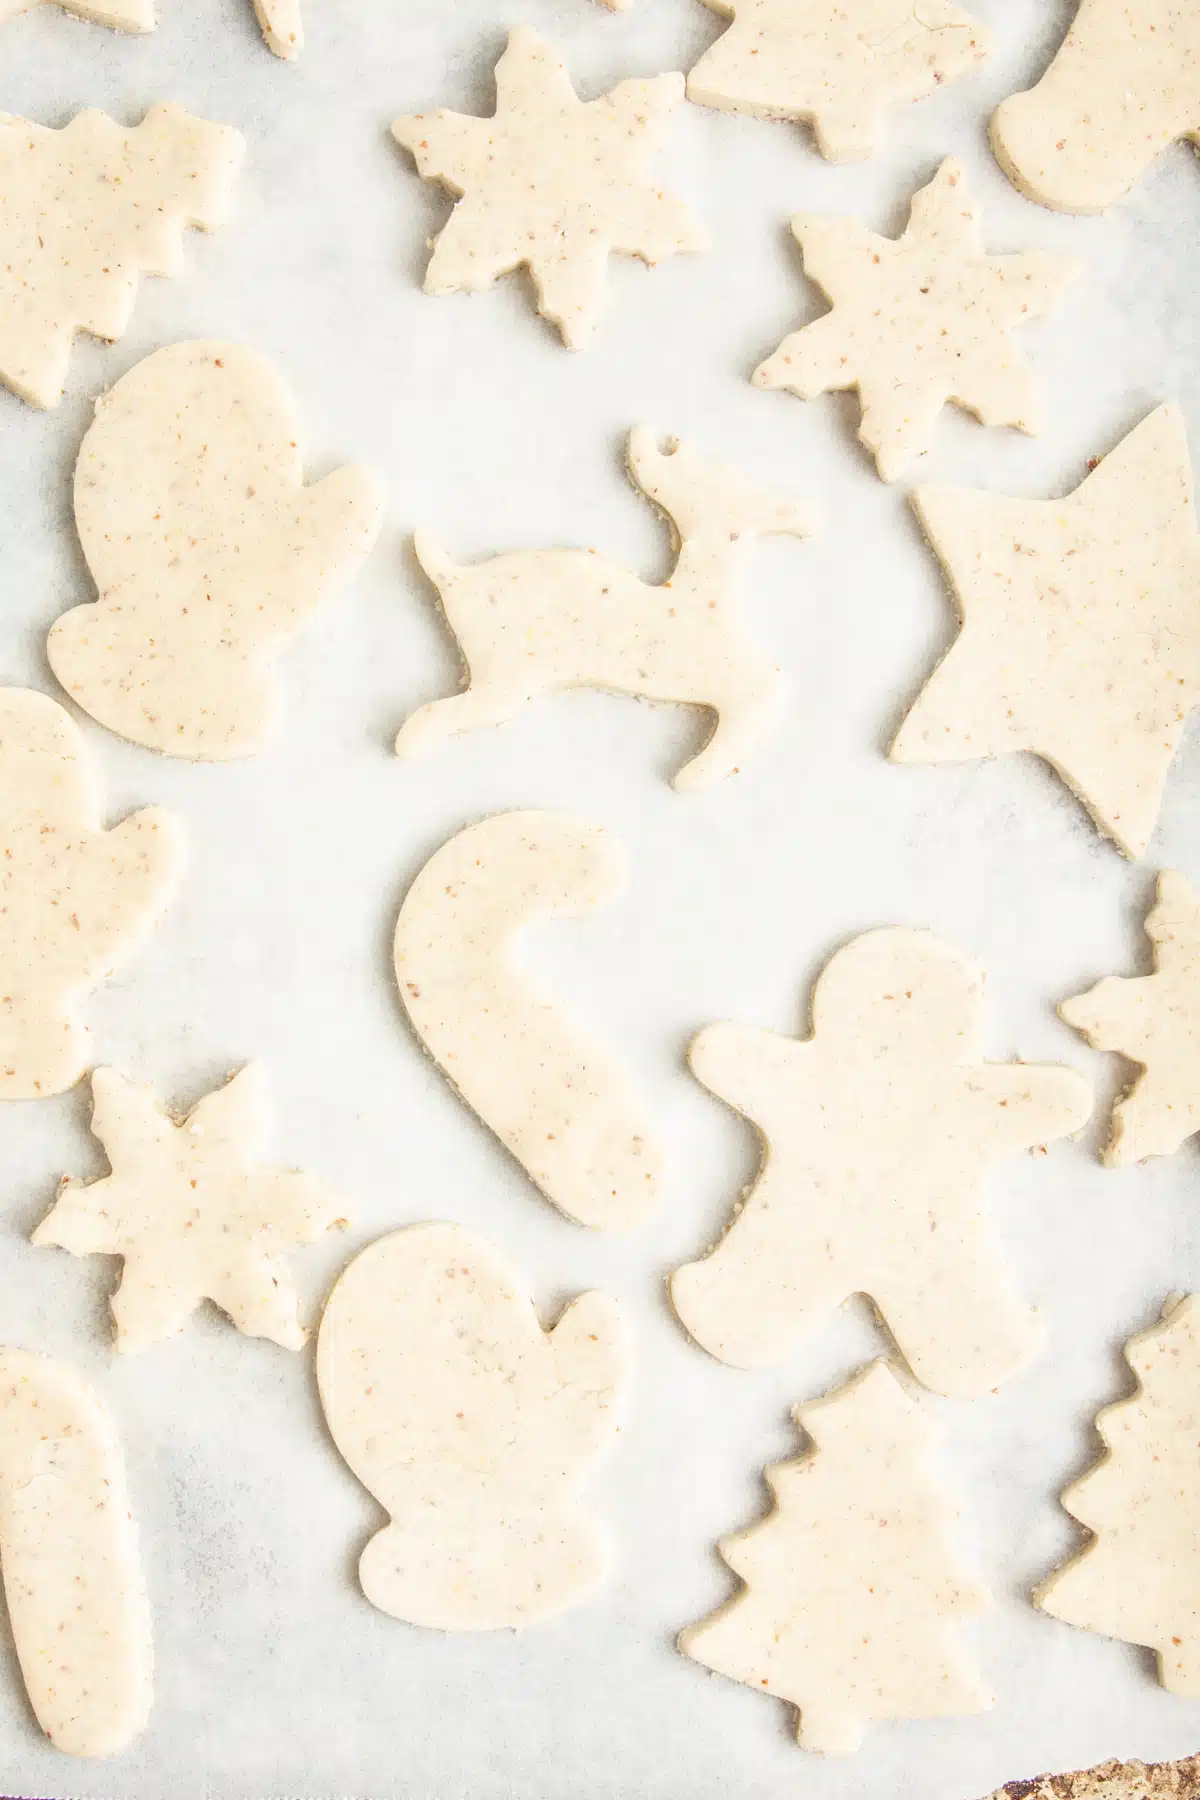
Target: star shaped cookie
(918, 321)
(1080, 634)
(193, 1212)
(836, 64)
(551, 183)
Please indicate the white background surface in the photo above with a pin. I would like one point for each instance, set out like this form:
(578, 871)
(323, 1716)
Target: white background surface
(274, 1676)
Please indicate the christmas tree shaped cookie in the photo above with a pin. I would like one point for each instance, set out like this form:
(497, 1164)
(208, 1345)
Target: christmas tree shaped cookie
(853, 1591)
(193, 1212)
(917, 322)
(1139, 1577)
(879, 1131)
(1080, 632)
(836, 64)
(75, 899)
(533, 622)
(472, 1426)
(206, 547)
(1154, 1020)
(558, 1102)
(1124, 85)
(73, 1586)
(551, 183)
(84, 213)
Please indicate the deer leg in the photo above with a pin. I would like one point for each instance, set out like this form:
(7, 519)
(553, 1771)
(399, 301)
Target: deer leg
(741, 722)
(479, 705)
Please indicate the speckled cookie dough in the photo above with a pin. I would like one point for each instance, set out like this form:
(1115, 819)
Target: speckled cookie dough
(1080, 634)
(1154, 1020)
(121, 15)
(84, 213)
(557, 1102)
(537, 621)
(282, 28)
(1139, 1577)
(192, 1211)
(75, 900)
(473, 1427)
(551, 183)
(849, 1621)
(207, 550)
(1125, 84)
(918, 322)
(73, 1586)
(838, 65)
(878, 1132)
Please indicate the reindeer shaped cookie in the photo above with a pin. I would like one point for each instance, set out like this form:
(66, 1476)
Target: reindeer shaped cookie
(473, 1426)
(536, 621)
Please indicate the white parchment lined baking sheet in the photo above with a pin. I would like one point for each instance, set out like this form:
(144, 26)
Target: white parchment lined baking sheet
(274, 1675)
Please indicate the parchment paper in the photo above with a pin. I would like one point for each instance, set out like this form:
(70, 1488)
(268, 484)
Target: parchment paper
(274, 1675)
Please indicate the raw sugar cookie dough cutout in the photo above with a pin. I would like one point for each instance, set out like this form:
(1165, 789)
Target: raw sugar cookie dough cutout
(473, 1427)
(918, 322)
(193, 1212)
(534, 622)
(84, 213)
(76, 900)
(1080, 636)
(279, 20)
(207, 549)
(878, 1133)
(556, 1101)
(73, 1585)
(847, 1621)
(1138, 1578)
(837, 65)
(1124, 85)
(550, 183)
(1153, 1020)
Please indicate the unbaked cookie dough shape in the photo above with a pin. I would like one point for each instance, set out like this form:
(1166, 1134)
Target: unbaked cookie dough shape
(75, 899)
(84, 213)
(918, 322)
(878, 1133)
(282, 27)
(1124, 85)
(838, 65)
(853, 1590)
(564, 1109)
(73, 1586)
(1153, 1020)
(550, 183)
(473, 1427)
(193, 1211)
(207, 550)
(1139, 1577)
(1080, 634)
(278, 19)
(534, 622)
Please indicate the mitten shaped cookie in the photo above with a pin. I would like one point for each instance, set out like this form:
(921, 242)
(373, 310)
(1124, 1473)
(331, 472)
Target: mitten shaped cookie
(472, 1426)
(74, 899)
(207, 549)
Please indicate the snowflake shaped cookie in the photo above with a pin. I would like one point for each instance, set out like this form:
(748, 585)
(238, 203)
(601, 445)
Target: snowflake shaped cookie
(193, 1212)
(551, 183)
(836, 64)
(918, 321)
(1081, 628)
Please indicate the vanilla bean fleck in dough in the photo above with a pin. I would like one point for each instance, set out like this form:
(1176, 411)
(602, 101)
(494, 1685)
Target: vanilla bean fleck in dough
(75, 899)
(550, 183)
(565, 1110)
(473, 1427)
(207, 549)
(918, 322)
(878, 1132)
(1080, 636)
(838, 65)
(1124, 85)
(84, 213)
(73, 1585)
